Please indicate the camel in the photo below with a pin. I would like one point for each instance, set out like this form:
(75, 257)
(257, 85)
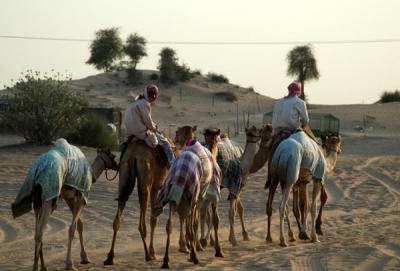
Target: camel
(290, 163)
(47, 172)
(253, 135)
(139, 163)
(331, 144)
(193, 181)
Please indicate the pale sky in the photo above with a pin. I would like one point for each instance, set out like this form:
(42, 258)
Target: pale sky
(350, 73)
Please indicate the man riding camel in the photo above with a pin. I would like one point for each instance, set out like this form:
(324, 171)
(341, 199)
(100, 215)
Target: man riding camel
(289, 116)
(139, 123)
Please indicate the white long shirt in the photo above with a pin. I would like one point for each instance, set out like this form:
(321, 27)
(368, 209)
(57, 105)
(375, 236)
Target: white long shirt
(289, 112)
(138, 119)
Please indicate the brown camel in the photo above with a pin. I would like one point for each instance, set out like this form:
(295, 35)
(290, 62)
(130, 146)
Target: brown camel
(198, 175)
(286, 171)
(253, 135)
(139, 163)
(74, 197)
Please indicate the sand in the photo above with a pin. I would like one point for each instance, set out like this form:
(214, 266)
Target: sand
(361, 219)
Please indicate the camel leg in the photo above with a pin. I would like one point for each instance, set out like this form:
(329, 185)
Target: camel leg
(204, 204)
(182, 238)
(169, 231)
(143, 198)
(218, 251)
(77, 206)
(42, 216)
(192, 236)
(324, 198)
(195, 229)
(303, 205)
(232, 214)
(282, 211)
(153, 223)
(296, 210)
(290, 232)
(316, 192)
(116, 226)
(241, 212)
(84, 257)
(272, 189)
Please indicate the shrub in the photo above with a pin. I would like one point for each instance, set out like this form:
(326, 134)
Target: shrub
(217, 78)
(228, 96)
(153, 77)
(92, 131)
(41, 109)
(388, 97)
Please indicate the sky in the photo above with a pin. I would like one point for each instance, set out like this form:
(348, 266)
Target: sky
(349, 73)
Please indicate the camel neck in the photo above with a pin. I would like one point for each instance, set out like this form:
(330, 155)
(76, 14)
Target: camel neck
(248, 156)
(97, 167)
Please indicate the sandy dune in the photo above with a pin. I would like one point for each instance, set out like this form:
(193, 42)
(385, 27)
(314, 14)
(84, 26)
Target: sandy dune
(361, 217)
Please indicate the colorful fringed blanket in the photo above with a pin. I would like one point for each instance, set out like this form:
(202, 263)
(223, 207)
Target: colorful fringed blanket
(228, 159)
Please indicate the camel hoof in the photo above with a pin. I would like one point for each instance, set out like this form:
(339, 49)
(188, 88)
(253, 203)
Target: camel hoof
(304, 236)
(199, 248)
(233, 241)
(268, 239)
(316, 240)
(165, 265)
(283, 243)
(70, 266)
(43, 268)
(203, 242)
(219, 254)
(196, 261)
(246, 236)
(319, 231)
(292, 239)
(109, 261)
(183, 249)
(86, 261)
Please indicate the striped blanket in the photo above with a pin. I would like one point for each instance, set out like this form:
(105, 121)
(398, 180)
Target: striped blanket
(228, 159)
(194, 174)
(63, 164)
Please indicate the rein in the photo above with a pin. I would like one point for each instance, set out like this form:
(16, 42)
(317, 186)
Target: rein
(106, 169)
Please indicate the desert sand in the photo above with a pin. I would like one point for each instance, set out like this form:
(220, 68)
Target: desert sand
(361, 219)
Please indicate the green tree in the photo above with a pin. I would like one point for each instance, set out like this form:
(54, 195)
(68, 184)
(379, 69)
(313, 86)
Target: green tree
(105, 49)
(41, 108)
(303, 65)
(168, 66)
(135, 49)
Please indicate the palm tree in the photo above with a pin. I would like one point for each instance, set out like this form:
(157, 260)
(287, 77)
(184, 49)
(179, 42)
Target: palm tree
(303, 65)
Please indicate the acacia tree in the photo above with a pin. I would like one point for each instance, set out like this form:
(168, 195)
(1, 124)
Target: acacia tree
(42, 108)
(303, 65)
(168, 66)
(105, 49)
(135, 49)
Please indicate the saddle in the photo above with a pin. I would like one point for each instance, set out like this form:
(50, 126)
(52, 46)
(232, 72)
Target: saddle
(158, 151)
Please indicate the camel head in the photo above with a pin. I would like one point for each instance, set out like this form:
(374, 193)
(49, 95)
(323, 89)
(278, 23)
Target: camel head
(332, 142)
(266, 133)
(183, 134)
(211, 135)
(108, 159)
(253, 135)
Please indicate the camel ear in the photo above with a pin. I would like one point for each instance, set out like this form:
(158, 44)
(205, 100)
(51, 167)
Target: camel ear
(194, 128)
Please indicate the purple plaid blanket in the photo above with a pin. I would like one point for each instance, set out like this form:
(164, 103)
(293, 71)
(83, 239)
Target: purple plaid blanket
(191, 175)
